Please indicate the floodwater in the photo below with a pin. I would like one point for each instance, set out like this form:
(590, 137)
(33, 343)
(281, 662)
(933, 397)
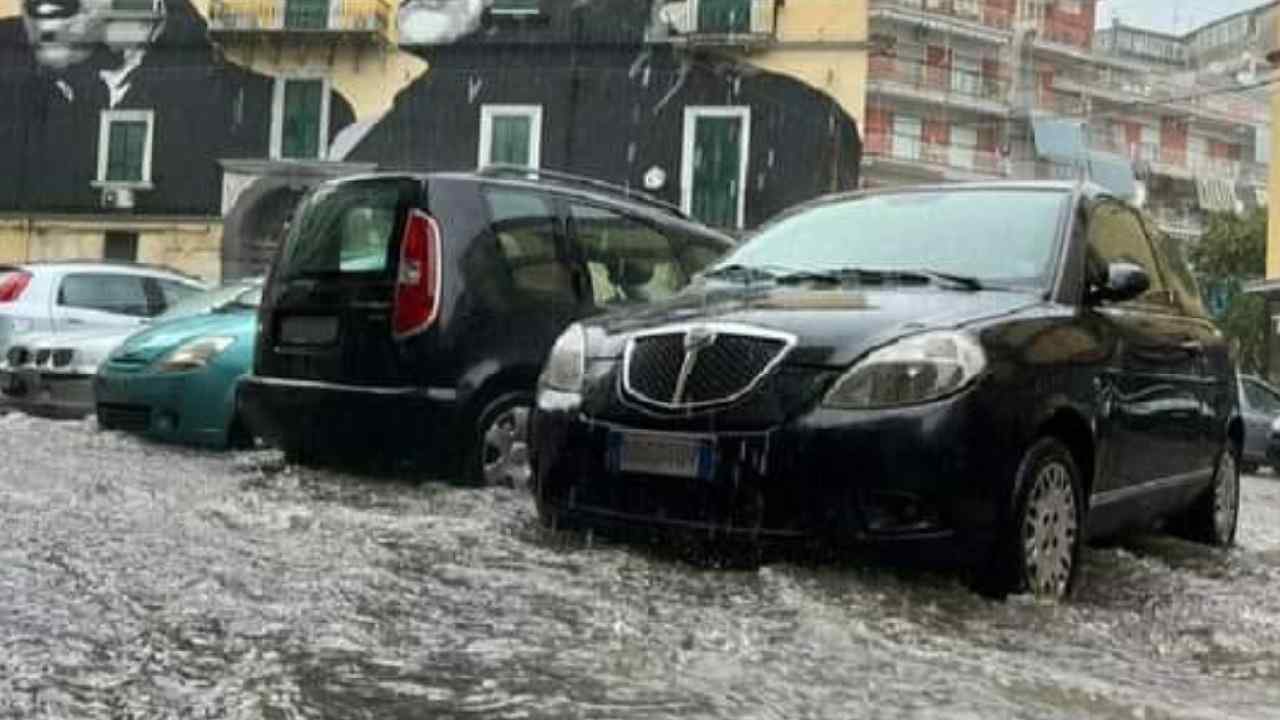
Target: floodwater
(140, 581)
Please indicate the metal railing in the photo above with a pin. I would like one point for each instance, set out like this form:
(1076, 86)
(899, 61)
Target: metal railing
(292, 15)
(937, 78)
(720, 20)
(1179, 222)
(913, 149)
(974, 11)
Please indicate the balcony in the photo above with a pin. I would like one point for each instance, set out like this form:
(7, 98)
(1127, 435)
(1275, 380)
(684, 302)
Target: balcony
(933, 159)
(717, 22)
(322, 19)
(1184, 224)
(938, 83)
(957, 15)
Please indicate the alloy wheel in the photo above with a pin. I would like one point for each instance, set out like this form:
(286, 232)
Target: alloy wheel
(1226, 499)
(505, 449)
(1049, 530)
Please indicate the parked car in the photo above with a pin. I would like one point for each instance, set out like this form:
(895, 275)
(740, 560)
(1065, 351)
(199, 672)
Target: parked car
(1009, 368)
(74, 296)
(409, 315)
(176, 380)
(1259, 407)
(59, 320)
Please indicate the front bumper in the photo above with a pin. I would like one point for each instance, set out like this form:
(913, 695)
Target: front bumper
(930, 472)
(195, 408)
(322, 420)
(52, 394)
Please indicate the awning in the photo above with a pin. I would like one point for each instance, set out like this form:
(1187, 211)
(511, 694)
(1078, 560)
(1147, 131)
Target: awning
(1062, 142)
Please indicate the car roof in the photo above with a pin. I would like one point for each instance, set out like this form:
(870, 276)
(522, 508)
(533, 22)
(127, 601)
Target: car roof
(107, 266)
(563, 184)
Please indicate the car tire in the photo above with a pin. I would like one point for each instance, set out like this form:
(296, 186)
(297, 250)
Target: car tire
(1038, 547)
(499, 448)
(1213, 518)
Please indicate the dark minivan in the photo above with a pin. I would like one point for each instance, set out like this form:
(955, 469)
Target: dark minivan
(1008, 368)
(409, 315)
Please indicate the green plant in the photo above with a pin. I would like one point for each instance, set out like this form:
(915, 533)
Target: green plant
(1232, 252)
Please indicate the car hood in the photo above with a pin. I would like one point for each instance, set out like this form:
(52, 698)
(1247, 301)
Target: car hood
(161, 339)
(833, 326)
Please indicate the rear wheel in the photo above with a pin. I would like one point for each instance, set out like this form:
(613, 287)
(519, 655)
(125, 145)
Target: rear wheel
(1212, 519)
(1039, 548)
(500, 447)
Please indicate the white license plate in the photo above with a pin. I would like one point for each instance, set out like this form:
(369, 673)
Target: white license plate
(667, 455)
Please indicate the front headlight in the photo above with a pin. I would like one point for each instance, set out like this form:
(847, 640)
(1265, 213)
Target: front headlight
(566, 365)
(914, 370)
(194, 355)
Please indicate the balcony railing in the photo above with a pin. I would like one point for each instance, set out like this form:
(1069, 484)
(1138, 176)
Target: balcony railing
(1180, 223)
(1058, 102)
(341, 16)
(974, 11)
(718, 21)
(932, 155)
(937, 78)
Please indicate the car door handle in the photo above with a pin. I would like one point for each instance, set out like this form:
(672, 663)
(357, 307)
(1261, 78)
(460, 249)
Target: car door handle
(74, 321)
(1191, 346)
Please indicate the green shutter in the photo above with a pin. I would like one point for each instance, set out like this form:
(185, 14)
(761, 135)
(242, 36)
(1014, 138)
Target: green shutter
(516, 6)
(139, 6)
(716, 164)
(126, 149)
(300, 138)
(512, 137)
(724, 16)
(306, 14)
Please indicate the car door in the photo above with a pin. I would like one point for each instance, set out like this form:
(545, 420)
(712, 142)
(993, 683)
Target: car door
(1151, 420)
(88, 300)
(1260, 406)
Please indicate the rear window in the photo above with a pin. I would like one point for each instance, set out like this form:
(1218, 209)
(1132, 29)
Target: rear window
(348, 228)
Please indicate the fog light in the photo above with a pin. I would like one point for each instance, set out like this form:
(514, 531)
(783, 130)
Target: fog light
(899, 512)
(166, 422)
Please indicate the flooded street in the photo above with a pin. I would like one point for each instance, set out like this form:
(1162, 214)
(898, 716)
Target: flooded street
(140, 581)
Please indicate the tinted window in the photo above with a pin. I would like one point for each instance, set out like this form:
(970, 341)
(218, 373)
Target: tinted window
(345, 228)
(998, 236)
(628, 260)
(119, 294)
(1177, 272)
(1115, 235)
(524, 226)
(1261, 399)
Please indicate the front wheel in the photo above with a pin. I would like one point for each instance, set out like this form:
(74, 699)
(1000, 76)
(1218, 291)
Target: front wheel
(1038, 550)
(1212, 519)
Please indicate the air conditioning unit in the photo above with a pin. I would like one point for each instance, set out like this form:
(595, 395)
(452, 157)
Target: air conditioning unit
(117, 198)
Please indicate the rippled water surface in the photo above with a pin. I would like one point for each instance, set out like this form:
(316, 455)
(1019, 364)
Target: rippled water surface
(140, 581)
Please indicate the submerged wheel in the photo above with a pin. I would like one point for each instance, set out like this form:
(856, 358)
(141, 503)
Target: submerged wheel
(1213, 518)
(1038, 550)
(500, 450)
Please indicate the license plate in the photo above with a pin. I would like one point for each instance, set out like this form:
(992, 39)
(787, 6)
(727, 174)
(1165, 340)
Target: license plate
(309, 330)
(666, 455)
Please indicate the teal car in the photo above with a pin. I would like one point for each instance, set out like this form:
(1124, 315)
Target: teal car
(176, 380)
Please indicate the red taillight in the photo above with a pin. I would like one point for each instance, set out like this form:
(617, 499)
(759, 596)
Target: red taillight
(12, 285)
(418, 281)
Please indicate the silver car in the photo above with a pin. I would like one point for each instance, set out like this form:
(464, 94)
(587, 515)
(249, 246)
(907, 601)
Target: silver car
(59, 319)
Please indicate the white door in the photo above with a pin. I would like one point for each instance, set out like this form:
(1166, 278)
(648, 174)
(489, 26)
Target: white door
(964, 146)
(906, 137)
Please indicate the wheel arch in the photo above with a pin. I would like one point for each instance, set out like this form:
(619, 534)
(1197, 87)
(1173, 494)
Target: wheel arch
(1069, 426)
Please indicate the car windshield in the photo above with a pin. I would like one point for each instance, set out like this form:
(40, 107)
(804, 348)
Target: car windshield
(215, 299)
(1005, 237)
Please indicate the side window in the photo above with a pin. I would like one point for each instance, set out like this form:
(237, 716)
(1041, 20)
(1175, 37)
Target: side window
(628, 260)
(1177, 271)
(1261, 399)
(175, 292)
(524, 224)
(1116, 235)
(697, 255)
(111, 293)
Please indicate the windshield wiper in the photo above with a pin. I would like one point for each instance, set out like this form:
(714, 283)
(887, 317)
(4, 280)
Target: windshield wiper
(740, 272)
(873, 276)
(968, 282)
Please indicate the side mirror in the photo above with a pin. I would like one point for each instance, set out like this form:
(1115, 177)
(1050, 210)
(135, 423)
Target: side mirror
(1125, 281)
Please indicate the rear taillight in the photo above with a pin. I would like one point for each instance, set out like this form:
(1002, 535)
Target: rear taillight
(12, 285)
(418, 282)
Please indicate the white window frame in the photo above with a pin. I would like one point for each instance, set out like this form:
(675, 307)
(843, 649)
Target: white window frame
(488, 112)
(277, 111)
(104, 140)
(691, 116)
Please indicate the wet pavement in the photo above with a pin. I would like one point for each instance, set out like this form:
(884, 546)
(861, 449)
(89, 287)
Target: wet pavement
(140, 581)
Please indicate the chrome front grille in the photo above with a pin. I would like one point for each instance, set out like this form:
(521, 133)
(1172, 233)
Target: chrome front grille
(18, 356)
(700, 365)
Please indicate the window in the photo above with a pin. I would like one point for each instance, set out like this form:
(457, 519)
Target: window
(134, 6)
(300, 118)
(1182, 284)
(525, 226)
(176, 292)
(1115, 235)
(511, 135)
(346, 228)
(110, 293)
(120, 245)
(516, 7)
(124, 147)
(1261, 399)
(628, 260)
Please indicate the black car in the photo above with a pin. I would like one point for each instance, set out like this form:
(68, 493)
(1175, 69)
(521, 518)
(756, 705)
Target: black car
(409, 315)
(1013, 367)
(1259, 408)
